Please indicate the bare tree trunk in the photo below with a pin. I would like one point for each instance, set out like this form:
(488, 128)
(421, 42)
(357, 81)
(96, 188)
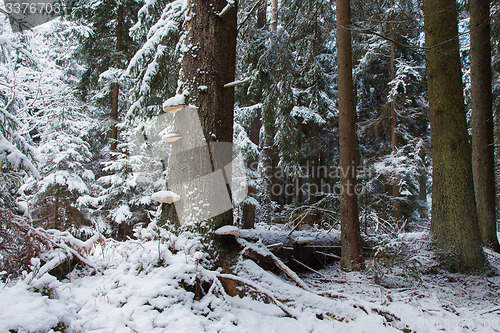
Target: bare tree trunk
(56, 209)
(394, 128)
(274, 15)
(267, 145)
(483, 159)
(211, 65)
(422, 186)
(454, 223)
(315, 178)
(116, 87)
(248, 214)
(351, 240)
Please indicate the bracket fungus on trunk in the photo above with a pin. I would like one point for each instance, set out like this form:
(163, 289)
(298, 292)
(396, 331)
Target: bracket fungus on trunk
(165, 197)
(171, 137)
(174, 104)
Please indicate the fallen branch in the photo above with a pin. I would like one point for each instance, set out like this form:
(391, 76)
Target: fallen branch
(329, 255)
(46, 238)
(298, 224)
(309, 268)
(492, 253)
(260, 289)
(490, 311)
(50, 265)
(261, 253)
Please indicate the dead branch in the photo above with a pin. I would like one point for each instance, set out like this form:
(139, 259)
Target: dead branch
(259, 289)
(45, 238)
(309, 268)
(329, 255)
(263, 254)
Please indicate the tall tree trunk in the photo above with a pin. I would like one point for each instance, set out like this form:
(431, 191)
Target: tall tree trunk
(206, 69)
(267, 142)
(315, 169)
(394, 128)
(266, 172)
(454, 223)
(56, 209)
(116, 87)
(248, 214)
(274, 15)
(483, 160)
(348, 141)
(422, 185)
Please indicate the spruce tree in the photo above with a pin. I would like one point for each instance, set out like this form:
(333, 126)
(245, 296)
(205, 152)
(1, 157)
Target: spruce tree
(483, 159)
(209, 64)
(454, 225)
(348, 143)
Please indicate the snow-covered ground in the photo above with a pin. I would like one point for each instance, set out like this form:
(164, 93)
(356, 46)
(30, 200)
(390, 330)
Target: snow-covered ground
(143, 286)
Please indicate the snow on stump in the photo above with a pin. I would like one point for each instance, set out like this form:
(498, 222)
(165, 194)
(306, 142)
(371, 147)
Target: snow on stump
(174, 104)
(165, 197)
(228, 230)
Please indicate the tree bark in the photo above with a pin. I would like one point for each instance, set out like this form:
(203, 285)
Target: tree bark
(394, 128)
(207, 66)
(116, 87)
(274, 15)
(56, 208)
(483, 160)
(348, 141)
(454, 223)
(248, 214)
(267, 143)
(422, 186)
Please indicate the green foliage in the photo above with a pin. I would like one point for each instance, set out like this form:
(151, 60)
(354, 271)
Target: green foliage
(98, 38)
(155, 66)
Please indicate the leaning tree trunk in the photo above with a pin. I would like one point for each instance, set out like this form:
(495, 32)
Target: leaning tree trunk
(454, 219)
(207, 66)
(483, 159)
(348, 141)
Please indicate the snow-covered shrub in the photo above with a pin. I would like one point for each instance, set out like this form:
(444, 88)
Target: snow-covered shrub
(18, 69)
(17, 247)
(400, 257)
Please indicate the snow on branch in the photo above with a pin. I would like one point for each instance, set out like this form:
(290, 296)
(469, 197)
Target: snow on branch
(237, 83)
(15, 157)
(230, 4)
(259, 289)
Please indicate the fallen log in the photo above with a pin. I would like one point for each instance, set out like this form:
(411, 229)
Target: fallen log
(301, 245)
(268, 237)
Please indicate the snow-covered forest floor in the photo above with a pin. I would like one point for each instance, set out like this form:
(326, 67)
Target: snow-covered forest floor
(148, 285)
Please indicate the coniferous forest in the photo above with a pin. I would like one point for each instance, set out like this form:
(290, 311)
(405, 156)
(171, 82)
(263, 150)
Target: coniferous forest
(243, 166)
